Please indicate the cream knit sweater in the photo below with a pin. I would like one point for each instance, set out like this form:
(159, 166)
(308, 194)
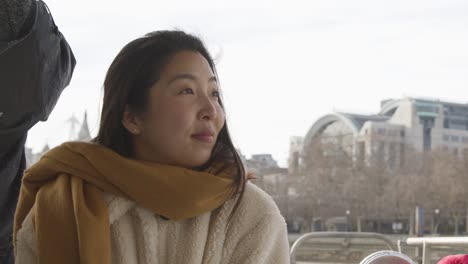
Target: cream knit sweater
(257, 234)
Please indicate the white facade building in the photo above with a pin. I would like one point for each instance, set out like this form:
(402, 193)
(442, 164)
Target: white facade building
(422, 124)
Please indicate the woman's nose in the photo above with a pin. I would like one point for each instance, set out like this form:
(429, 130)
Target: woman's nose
(208, 108)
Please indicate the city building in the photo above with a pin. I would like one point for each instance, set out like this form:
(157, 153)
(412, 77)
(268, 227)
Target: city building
(77, 132)
(421, 124)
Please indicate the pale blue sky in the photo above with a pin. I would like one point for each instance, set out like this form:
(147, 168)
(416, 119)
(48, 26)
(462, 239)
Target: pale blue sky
(282, 64)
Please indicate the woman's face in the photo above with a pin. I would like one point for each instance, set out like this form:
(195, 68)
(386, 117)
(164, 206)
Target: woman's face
(184, 116)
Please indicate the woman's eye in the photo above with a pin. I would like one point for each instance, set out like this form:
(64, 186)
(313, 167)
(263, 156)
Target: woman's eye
(187, 91)
(216, 93)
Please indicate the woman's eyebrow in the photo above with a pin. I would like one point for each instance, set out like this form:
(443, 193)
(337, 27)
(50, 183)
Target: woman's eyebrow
(213, 79)
(190, 77)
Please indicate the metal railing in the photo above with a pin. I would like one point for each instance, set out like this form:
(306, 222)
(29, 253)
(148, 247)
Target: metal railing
(387, 256)
(345, 235)
(427, 242)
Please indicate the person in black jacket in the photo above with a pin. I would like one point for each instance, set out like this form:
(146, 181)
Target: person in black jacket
(36, 64)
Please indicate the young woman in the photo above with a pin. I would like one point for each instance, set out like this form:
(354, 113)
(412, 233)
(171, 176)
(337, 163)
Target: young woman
(161, 182)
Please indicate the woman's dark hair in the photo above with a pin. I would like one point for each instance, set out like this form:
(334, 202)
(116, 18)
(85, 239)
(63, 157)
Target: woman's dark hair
(128, 81)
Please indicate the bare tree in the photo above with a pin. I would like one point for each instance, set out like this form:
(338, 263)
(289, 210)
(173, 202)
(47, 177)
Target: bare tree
(331, 181)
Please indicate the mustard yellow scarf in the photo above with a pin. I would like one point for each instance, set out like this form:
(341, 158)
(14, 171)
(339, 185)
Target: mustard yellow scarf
(71, 221)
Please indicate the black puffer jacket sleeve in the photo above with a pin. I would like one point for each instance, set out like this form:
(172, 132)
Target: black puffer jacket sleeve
(34, 70)
(35, 66)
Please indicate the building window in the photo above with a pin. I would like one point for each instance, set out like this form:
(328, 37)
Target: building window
(392, 156)
(456, 122)
(428, 109)
(465, 139)
(381, 131)
(361, 151)
(455, 138)
(446, 137)
(402, 133)
(402, 154)
(461, 124)
(381, 150)
(446, 123)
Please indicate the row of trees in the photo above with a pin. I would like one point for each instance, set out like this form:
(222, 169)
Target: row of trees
(329, 183)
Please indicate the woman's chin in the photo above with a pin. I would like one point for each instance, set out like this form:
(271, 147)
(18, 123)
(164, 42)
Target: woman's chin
(195, 162)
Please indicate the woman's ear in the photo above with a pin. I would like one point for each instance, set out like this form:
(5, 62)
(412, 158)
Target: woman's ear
(131, 122)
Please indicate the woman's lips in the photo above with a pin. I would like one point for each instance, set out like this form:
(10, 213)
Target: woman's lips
(204, 138)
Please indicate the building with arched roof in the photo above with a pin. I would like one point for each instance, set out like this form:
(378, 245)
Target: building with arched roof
(422, 124)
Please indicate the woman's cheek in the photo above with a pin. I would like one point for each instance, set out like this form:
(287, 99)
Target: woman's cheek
(222, 116)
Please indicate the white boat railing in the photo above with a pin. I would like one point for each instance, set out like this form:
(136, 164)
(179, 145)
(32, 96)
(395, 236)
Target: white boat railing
(387, 256)
(345, 235)
(428, 242)
(425, 245)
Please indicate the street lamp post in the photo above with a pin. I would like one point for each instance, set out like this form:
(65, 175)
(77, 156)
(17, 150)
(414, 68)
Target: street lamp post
(348, 213)
(436, 224)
